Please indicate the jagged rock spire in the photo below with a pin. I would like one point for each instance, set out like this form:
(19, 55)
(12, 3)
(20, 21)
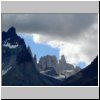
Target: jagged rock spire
(63, 60)
(35, 58)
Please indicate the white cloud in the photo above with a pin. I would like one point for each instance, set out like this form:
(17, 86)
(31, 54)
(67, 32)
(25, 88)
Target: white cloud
(36, 38)
(73, 52)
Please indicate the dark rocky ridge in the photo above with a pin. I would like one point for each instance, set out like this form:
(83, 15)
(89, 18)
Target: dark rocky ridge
(86, 77)
(12, 36)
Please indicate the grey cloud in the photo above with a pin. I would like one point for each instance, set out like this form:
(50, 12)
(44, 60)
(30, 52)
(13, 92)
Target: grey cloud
(66, 26)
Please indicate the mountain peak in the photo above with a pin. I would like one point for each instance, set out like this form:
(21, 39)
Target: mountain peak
(12, 30)
(63, 60)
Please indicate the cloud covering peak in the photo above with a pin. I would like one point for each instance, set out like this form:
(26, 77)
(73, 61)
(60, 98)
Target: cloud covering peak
(76, 35)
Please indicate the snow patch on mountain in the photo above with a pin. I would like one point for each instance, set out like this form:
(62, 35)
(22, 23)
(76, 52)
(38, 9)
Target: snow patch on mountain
(5, 71)
(10, 46)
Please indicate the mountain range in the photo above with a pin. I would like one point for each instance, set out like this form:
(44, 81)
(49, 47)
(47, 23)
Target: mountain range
(20, 67)
(18, 59)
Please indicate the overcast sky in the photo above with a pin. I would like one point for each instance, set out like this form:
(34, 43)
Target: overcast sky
(76, 35)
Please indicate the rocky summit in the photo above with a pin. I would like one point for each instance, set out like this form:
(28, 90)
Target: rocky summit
(48, 64)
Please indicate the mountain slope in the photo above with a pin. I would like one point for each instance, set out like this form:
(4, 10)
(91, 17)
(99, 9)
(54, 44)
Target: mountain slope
(86, 77)
(25, 74)
(11, 46)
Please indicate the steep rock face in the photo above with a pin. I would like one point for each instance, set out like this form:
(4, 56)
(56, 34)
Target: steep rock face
(49, 65)
(11, 46)
(63, 66)
(47, 62)
(86, 77)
